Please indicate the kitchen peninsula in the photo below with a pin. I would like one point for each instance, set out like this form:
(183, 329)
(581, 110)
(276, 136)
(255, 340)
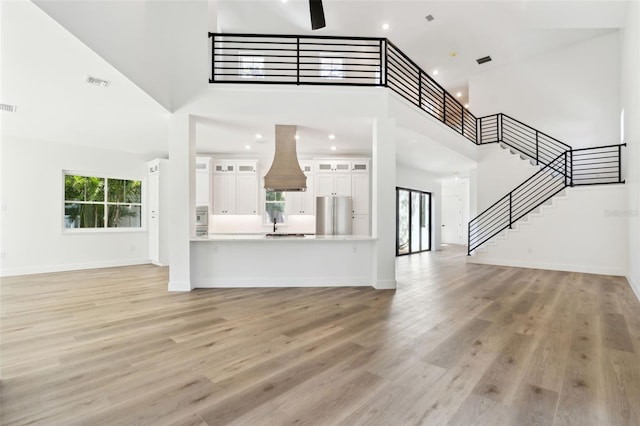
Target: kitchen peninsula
(246, 260)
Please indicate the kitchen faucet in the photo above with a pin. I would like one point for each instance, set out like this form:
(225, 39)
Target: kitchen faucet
(274, 224)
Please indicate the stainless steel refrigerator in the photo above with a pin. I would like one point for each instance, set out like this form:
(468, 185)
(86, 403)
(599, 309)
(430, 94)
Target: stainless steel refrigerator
(334, 215)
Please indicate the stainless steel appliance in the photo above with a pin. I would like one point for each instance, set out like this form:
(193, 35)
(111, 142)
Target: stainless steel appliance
(202, 220)
(334, 215)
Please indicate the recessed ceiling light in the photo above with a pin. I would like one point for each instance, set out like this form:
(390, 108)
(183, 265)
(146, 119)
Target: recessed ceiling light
(332, 136)
(466, 106)
(258, 136)
(8, 108)
(97, 81)
(284, 1)
(459, 94)
(247, 147)
(297, 136)
(333, 148)
(385, 26)
(435, 72)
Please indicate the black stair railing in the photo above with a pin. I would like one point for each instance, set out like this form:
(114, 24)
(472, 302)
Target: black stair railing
(531, 142)
(527, 196)
(574, 167)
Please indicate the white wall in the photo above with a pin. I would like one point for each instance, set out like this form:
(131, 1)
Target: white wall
(586, 231)
(498, 172)
(631, 106)
(410, 178)
(572, 94)
(32, 192)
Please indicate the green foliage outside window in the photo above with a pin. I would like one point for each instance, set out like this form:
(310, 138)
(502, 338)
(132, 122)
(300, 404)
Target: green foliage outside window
(86, 205)
(274, 206)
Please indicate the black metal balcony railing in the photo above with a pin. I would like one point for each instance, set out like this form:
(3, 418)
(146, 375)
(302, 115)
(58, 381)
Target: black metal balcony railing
(335, 61)
(367, 61)
(597, 166)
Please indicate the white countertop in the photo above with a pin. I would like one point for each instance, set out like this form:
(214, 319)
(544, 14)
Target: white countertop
(263, 237)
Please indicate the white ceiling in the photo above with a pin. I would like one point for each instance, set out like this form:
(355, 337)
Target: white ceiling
(231, 135)
(423, 153)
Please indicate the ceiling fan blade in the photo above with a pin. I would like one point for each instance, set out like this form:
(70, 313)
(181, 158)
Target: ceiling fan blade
(317, 14)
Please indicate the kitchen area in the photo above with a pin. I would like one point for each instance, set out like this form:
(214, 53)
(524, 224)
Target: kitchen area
(280, 214)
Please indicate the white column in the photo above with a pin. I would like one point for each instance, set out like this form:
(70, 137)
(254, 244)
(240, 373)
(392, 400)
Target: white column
(182, 199)
(383, 196)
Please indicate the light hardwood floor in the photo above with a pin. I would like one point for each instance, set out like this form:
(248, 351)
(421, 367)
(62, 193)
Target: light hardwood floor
(456, 344)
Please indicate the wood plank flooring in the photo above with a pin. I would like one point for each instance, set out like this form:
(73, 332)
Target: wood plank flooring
(455, 344)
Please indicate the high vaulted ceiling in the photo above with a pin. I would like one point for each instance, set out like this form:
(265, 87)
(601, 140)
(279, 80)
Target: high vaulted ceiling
(460, 33)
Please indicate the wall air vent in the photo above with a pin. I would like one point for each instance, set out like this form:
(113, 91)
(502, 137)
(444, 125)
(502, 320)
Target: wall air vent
(97, 81)
(8, 108)
(429, 18)
(483, 60)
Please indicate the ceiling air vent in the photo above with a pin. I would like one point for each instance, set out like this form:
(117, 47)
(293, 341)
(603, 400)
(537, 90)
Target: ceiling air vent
(97, 81)
(483, 60)
(8, 108)
(429, 18)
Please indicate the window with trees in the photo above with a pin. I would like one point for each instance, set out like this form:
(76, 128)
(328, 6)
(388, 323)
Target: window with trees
(274, 206)
(92, 202)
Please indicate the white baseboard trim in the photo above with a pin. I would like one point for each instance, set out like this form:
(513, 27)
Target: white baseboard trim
(9, 272)
(385, 285)
(180, 286)
(635, 286)
(281, 282)
(587, 269)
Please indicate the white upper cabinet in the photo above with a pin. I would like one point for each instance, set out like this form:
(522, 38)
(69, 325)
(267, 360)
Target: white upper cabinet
(247, 193)
(247, 167)
(235, 187)
(329, 184)
(360, 193)
(224, 194)
(204, 184)
(224, 166)
(332, 166)
(360, 166)
(303, 202)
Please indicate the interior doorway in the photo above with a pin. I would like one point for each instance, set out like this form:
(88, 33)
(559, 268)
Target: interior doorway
(413, 221)
(452, 221)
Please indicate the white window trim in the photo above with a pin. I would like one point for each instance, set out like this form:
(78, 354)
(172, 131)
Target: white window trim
(103, 230)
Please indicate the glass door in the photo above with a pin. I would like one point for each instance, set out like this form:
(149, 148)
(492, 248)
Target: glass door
(413, 221)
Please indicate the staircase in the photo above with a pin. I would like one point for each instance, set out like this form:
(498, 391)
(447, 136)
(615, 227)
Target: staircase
(560, 167)
(369, 61)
